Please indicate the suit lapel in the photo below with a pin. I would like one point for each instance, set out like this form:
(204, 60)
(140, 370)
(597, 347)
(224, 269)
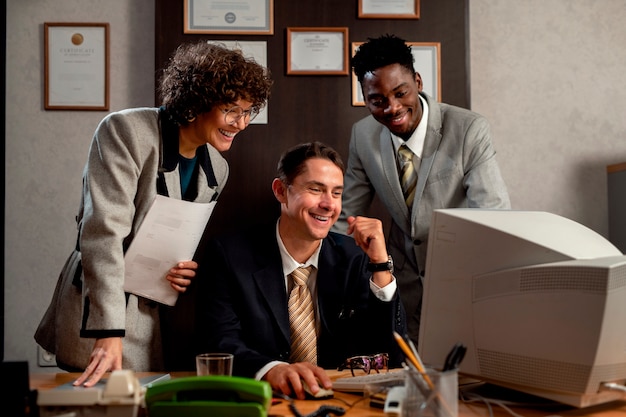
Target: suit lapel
(431, 145)
(172, 182)
(329, 289)
(270, 280)
(390, 169)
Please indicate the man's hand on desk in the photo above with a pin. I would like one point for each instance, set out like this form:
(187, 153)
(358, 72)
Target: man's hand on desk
(286, 379)
(106, 356)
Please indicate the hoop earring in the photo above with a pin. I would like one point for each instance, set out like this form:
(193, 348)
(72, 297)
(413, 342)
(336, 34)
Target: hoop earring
(191, 119)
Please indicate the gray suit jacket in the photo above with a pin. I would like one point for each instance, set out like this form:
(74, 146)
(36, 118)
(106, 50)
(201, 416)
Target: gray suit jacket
(458, 169)
(133, 156)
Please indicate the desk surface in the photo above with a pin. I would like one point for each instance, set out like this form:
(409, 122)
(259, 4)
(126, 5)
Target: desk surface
(360, 406)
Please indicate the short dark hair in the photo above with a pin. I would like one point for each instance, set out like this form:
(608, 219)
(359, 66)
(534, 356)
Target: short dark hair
(380, 52)
(291, 163)
(201, 75)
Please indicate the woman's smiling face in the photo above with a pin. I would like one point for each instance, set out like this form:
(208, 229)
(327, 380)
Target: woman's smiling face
(211, 127)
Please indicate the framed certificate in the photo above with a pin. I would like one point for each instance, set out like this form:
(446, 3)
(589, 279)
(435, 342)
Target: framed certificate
(317, 51)
(427, 62)
(241, 17)
(389, 9)
(76, 66)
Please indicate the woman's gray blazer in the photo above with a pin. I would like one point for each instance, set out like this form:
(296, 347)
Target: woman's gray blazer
(133, 156)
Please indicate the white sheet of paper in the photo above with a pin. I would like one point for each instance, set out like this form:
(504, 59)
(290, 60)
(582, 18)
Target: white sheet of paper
(170, 233)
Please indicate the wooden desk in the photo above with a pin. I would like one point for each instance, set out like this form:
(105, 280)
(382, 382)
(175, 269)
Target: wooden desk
(361, 406)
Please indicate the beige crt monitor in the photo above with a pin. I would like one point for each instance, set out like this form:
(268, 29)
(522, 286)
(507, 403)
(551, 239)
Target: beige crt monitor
(539, 300)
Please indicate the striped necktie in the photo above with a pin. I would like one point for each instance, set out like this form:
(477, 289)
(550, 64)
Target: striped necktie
(302, 319)
(408, 176)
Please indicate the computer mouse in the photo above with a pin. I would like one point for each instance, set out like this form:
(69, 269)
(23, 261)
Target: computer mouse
(321, 394)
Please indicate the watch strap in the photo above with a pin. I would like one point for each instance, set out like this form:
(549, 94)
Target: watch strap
(384, 266)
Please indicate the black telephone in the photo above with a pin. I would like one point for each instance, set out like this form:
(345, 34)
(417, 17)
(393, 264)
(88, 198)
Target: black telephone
(211, 395)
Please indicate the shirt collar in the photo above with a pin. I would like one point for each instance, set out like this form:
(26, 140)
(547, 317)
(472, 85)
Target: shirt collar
(416, 142)
(290, 264)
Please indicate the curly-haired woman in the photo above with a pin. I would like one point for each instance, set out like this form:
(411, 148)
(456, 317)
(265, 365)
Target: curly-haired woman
(209, 94)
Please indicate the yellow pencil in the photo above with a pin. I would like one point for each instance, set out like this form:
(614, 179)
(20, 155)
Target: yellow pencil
(414, 359)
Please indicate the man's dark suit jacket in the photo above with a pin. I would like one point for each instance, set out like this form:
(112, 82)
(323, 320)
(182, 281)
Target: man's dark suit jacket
(242, 303)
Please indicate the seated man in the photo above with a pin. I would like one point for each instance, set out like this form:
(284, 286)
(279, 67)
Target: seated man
(245, 284)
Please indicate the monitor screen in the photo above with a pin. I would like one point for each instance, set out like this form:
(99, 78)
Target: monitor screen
(539, 300)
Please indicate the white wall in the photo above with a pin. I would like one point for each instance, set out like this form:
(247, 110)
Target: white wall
(549, 76)
(547, 73)
(46, 150)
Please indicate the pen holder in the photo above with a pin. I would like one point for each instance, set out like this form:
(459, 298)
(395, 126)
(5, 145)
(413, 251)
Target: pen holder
(431, 394)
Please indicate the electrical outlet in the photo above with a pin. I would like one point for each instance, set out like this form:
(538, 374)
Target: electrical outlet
(45, 358)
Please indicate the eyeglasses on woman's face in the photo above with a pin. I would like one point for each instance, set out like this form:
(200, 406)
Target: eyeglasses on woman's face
(366, 363)
(234, 114)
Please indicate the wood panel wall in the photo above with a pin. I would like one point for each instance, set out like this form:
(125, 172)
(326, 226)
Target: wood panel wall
(301, 108)
(313, 107)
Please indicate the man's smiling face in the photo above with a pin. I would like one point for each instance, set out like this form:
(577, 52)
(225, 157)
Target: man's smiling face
(312, 203)
(392, 96)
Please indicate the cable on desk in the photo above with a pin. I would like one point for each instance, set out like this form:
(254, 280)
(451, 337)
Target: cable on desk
(476, 398)
(471, 398)
(323, 411)
(613, 386)
(326, 410)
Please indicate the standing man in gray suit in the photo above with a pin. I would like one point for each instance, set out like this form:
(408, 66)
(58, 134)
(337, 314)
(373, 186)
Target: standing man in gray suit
(451, 164)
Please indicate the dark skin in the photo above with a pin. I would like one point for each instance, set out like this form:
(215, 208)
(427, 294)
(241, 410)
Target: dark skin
(392, 97)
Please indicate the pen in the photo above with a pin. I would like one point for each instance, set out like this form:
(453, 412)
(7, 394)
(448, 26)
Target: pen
(413, 358)
(414, 350)
(419, 382)
(454, 357)
(407, 350)
(416, 363)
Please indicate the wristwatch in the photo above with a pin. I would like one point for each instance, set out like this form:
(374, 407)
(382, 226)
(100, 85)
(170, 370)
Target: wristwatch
(385, 266)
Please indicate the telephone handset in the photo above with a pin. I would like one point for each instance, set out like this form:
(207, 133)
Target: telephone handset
(197, 396)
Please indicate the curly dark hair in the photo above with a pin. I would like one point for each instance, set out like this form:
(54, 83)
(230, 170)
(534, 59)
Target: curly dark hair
(380, 52)
(292, 161)
(202, 75)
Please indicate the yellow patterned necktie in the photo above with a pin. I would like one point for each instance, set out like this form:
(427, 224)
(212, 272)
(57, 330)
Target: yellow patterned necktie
(302, 319)
(408, 176)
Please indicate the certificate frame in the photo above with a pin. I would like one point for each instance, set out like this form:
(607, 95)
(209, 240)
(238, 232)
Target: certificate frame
(76, 66)
(317, 50)
(210, 17)
(384, 9)
(427, 63)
